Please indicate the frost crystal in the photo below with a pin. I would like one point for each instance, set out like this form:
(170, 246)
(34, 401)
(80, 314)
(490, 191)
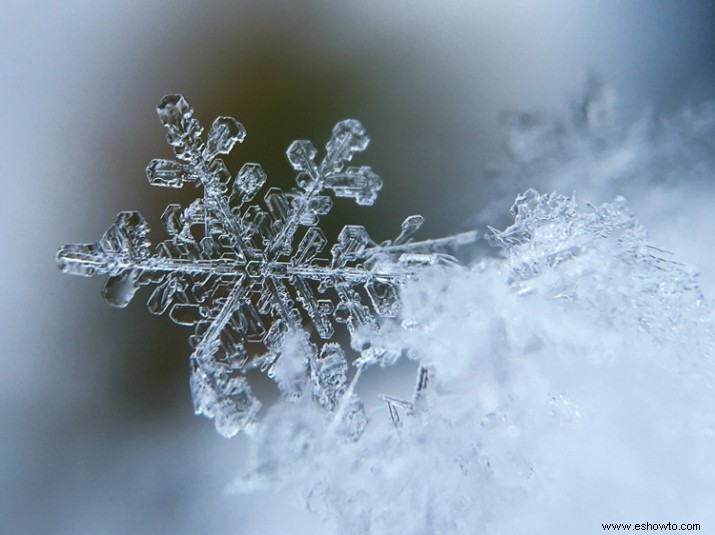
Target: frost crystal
(247, 278)
(610, 263)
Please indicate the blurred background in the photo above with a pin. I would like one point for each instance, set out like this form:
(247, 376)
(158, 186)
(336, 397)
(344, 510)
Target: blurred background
(97, 433)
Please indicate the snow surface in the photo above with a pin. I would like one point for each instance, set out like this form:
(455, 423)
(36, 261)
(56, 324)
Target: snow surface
(570, 373)
(570, 385)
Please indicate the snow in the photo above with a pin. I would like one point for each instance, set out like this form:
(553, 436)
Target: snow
(574, 392)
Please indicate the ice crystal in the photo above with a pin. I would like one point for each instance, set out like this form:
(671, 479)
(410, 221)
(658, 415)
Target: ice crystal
(248, 277)
(610, 264)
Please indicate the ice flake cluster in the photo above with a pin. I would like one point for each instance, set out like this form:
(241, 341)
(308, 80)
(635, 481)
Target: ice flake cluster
(612, 266)
(570, 378)
(582, 340)
(250, 277)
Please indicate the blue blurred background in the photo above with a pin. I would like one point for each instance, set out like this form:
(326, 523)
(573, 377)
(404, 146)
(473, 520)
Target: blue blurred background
(97, 433)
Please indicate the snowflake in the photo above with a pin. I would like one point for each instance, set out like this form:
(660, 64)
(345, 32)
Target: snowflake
(250, 280)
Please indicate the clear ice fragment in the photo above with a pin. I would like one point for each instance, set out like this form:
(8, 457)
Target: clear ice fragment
(167, 173)
(227, 400)
(359, 183)
(250, 179)
(348, 138)
(290, 369)
(183, 130)
(120, 289)
(329, 375)
(224, 134)
(409, 226)
(352, 242)
(301, 154)
(383, 297)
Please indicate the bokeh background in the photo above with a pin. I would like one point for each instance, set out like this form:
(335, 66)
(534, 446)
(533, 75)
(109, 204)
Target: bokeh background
(96, 429)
